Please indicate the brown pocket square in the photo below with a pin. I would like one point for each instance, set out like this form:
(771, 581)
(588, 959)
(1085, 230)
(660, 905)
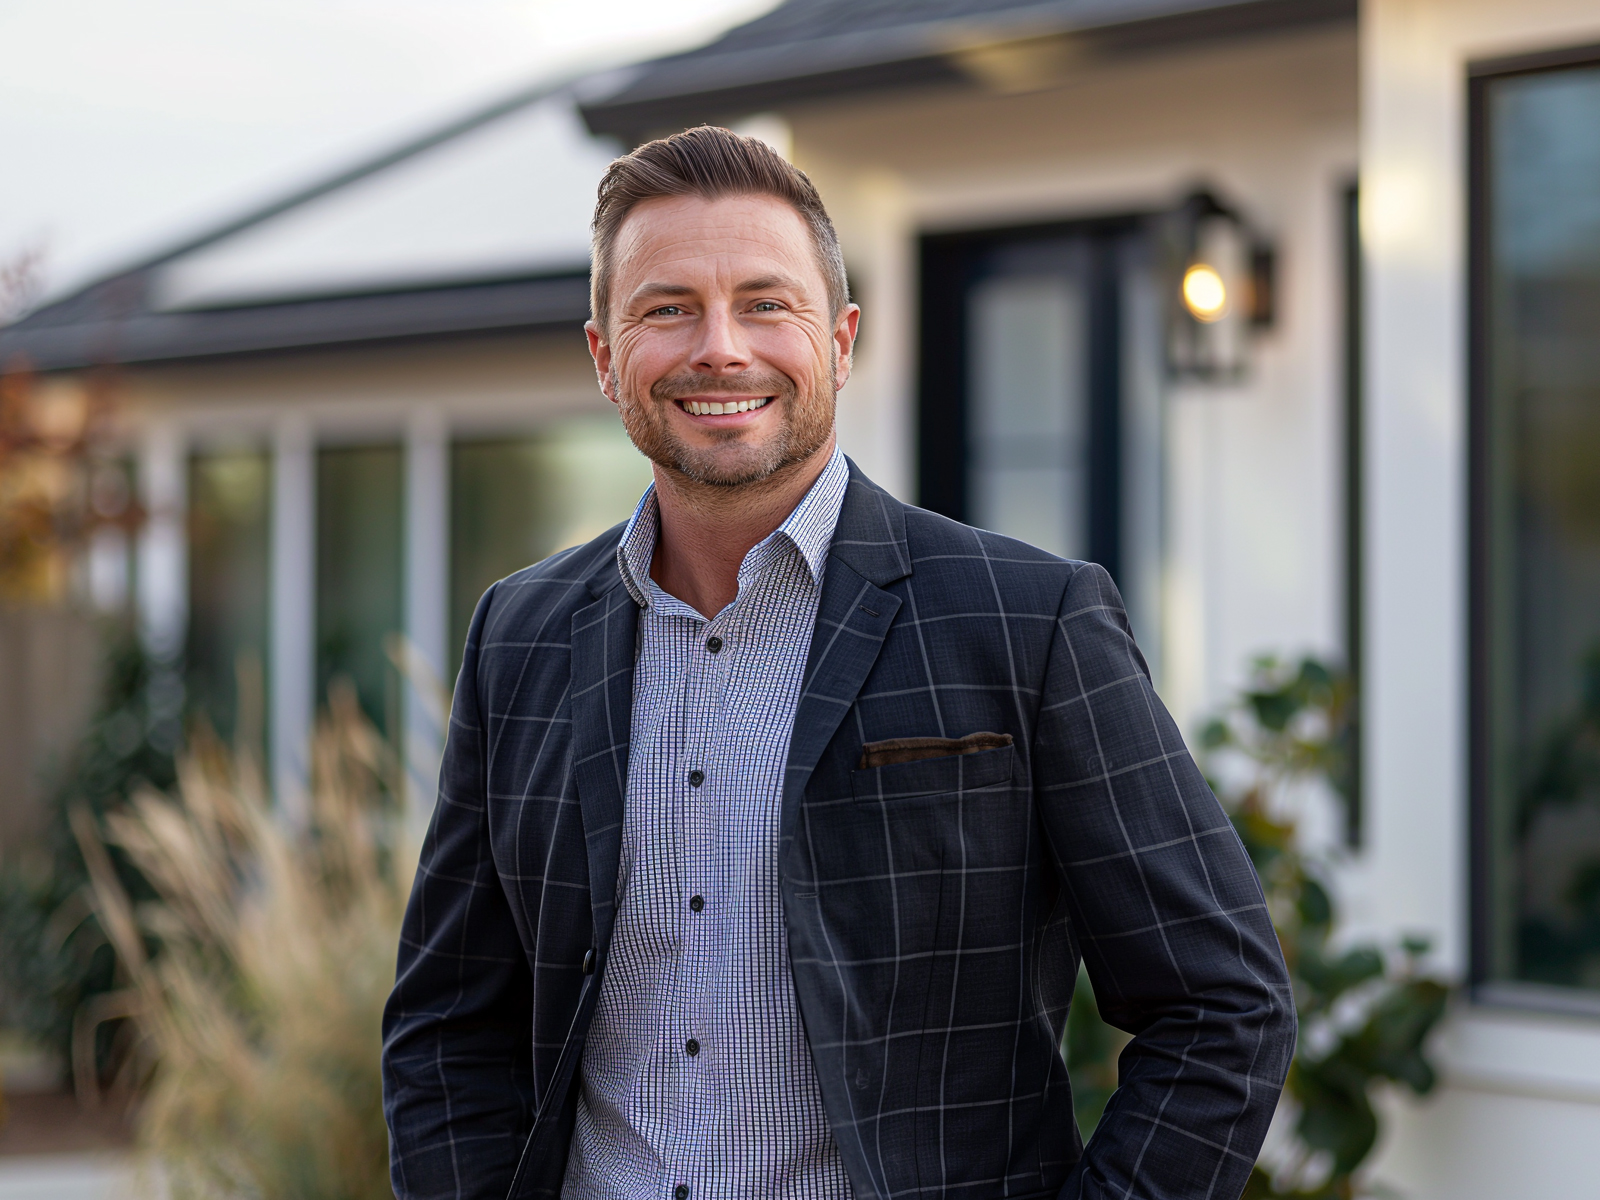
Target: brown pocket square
(904, 750)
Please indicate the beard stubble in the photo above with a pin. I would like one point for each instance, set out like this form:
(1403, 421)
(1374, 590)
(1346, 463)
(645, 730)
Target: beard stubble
(736, 461)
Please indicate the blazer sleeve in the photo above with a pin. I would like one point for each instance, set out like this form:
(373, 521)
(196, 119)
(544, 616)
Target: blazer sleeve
(1168, 914)
(457, 1080)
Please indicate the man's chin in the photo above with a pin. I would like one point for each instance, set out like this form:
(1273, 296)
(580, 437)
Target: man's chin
(722, 469)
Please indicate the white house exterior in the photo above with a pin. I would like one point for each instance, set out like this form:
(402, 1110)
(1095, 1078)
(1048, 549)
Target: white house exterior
(1015, 174)
(1519, 1113)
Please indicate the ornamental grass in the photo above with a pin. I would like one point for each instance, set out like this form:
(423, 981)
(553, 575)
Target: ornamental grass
(257, 977)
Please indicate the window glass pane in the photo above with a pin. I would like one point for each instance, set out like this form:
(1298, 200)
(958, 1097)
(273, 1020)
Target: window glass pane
(1543, 474)
(359, 548)
(229, 549)
(1028, 472)
(515, 501)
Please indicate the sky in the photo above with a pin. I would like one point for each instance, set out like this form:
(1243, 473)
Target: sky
(127, 124)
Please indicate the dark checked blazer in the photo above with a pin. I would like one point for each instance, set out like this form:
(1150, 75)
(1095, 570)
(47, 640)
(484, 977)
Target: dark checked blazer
(936, 910)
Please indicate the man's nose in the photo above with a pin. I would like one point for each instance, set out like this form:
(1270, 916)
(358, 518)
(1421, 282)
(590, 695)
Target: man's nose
(720, 347)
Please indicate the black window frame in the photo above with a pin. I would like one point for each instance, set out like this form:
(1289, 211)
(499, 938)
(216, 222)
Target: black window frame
(1483, 986)
(1354, 423)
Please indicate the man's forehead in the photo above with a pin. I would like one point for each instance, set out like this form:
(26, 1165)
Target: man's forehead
(692, 227)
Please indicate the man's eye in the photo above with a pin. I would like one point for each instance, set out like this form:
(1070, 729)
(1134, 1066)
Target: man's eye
(666, 310)
(766, 306)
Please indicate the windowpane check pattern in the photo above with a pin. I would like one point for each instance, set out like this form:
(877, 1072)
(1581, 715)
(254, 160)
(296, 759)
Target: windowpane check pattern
(696, 1071)
(936, 911)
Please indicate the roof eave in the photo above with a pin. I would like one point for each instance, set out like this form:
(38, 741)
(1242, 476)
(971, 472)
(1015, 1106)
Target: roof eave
(145, 338)
(672, 93)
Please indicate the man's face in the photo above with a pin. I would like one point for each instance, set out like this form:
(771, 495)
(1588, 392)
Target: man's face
(722, 355)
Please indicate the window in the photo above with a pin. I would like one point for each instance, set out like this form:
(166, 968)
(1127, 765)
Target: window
(514, 501)
(360, 543)
(1536, 524)
(229, 552)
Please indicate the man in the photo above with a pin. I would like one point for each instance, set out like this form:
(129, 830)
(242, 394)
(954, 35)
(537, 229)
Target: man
(772, 826)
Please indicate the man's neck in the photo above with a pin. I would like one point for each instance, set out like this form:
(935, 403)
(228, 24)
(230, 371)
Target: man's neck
(705, 531)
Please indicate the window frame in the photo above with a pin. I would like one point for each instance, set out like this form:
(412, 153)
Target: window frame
(1483, 987)
(1353, 418)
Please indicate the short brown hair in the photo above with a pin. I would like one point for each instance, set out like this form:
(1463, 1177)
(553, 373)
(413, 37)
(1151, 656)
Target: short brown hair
(710, 163)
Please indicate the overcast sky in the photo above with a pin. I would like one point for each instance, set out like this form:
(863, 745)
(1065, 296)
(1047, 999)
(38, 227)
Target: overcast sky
(125, 124)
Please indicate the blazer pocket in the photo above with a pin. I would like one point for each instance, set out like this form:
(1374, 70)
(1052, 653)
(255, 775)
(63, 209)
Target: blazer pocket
(911, 749)
(945, 774)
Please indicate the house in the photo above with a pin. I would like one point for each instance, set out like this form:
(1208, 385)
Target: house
(1286, 310)
(351, 411)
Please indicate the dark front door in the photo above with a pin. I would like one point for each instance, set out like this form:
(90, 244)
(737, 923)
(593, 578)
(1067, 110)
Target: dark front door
(1040, 392)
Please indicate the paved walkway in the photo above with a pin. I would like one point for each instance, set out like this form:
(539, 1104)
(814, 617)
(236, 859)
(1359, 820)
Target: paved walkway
(50, 1149)
(95, 1175)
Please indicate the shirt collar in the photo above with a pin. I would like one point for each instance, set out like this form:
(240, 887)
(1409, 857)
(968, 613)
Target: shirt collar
(809, 529)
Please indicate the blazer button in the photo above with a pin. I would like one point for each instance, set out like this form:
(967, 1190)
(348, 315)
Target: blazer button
(588, 962)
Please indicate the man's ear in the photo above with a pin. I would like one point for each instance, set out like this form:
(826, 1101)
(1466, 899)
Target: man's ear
(600, 351)
(844, 340)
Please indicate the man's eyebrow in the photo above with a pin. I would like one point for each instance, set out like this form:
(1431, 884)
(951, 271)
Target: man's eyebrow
(656, 290)
(767, 283)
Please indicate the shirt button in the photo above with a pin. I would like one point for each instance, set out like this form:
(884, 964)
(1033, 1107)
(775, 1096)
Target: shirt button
(714, 644)
(696, 903)
(681, 1192)
(696, 778)
(692, 1046)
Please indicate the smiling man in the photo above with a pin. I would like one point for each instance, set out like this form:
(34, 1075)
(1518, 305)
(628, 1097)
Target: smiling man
(773, 825)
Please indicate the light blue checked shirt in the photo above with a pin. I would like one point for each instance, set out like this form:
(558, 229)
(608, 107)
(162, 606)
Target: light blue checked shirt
(697, 1078)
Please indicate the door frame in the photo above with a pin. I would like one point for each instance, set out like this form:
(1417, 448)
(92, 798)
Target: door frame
(951, 262)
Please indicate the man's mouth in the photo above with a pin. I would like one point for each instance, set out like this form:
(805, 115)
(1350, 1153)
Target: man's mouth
(717, 408)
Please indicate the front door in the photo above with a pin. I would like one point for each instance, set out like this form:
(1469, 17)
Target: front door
(1040, 394)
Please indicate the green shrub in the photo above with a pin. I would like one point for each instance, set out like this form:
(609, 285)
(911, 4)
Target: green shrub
(55, 961)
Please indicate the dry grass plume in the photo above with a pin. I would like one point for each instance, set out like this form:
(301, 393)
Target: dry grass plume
(258, 978)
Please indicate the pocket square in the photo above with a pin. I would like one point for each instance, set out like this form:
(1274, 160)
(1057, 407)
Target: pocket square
(911, 749)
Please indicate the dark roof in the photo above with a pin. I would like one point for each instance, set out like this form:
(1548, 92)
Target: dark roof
(810, 48)
(112, 323)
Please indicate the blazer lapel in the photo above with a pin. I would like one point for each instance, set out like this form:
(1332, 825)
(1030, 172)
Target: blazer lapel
(853, 617)
(854, 613)
(603, 639)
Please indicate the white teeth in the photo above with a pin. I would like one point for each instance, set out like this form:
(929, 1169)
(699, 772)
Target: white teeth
(709, 408)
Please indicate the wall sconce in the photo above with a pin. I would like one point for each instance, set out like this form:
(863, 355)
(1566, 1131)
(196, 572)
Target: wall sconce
(1220, 292)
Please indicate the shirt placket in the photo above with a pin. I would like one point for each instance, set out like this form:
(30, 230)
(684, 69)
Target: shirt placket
(700, 784)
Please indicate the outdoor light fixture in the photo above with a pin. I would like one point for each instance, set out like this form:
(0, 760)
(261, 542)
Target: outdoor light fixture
(1204, 293)
(1220, 291)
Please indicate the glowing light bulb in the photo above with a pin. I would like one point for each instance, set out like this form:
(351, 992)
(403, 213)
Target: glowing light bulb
(1204, 293)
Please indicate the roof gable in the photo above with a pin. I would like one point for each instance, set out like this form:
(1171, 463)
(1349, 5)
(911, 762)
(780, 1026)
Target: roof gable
(510, 197)
(480, 225)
